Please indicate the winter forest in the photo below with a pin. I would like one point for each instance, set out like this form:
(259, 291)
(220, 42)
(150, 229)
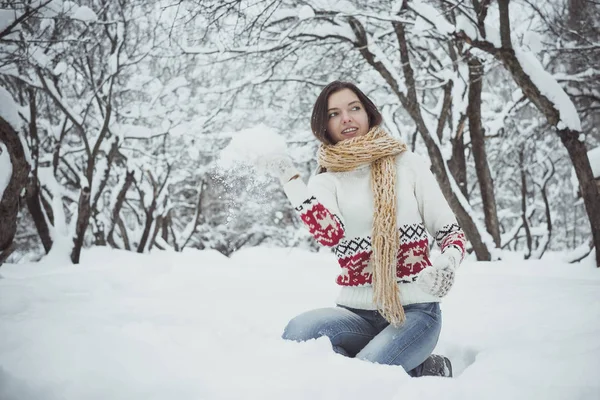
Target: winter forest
(114, 115)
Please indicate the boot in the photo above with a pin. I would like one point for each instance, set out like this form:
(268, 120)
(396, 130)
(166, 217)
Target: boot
(434, 365)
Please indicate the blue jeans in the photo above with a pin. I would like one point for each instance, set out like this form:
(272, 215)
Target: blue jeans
(366, 335)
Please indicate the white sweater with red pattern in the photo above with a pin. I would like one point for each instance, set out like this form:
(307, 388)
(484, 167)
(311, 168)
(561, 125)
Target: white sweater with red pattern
(337, 208)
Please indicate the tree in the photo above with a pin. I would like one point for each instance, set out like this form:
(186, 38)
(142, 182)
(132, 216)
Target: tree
(543, 91)
(13, 180)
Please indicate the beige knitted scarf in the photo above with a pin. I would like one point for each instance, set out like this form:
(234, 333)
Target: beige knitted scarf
(379, 149)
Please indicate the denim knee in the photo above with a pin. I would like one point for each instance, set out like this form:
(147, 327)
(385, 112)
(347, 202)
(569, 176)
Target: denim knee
(330, 322)
(409, 344)
(298, 331)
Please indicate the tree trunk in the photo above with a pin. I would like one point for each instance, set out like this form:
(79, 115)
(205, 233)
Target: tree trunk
(147, 227)
(458, 163)
(98, 226)
(462, 215)
(149, 219)
(524, 204)
(587, 184)
(38, 213)
(484, 175)
(445, 112)
(157, 227)
(438, 164)
(503, 8)
(129, 179)
(33, 197)
(83, 219)
(164, 229)
(124, 237)
(9, 203)
(159, 223)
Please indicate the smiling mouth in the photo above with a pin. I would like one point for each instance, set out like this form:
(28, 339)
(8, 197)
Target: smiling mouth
(349, 131)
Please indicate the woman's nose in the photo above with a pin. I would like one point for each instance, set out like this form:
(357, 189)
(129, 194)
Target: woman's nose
(346, 118)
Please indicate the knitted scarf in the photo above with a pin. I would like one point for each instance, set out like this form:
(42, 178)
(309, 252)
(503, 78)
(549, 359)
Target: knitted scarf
(379, 149)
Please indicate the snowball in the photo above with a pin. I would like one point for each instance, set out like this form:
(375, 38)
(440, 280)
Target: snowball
(84, 14)
(249, 145)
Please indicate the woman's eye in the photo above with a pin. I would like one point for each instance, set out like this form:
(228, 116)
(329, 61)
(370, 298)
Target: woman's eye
(355, 108)
(331, 115)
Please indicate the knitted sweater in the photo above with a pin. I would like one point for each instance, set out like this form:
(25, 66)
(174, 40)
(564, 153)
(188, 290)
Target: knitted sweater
(337, 208)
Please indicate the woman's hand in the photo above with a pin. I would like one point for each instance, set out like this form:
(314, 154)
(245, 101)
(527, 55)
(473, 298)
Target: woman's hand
(278, 165)
(439, 278)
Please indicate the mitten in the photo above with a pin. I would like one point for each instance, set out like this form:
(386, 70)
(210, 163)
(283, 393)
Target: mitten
(439, 278)
(278, 165)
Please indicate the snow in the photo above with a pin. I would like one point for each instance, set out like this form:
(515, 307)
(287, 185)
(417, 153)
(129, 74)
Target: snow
(594, 157)
(113, 62)
(382, 57)
(433, 16)
(47, 24)
(197, 325)
(305, 12)
(133, 131)
(85, 14)
(10, 109)
(7, 17)
(248, 145)
(60, 68)
(420, 25)
(533, 41)
(466, 25)
(325, 30)
(176, 83)
(550, 88)
(492, 34)
(57, 7)
(5, 168)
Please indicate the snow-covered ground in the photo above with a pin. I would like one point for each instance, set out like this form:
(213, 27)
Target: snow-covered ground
(200, 326)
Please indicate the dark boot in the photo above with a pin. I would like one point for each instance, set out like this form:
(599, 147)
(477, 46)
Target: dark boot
(434, 365)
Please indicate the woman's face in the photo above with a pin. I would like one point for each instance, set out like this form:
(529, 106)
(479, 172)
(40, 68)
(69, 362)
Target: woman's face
(346, 115)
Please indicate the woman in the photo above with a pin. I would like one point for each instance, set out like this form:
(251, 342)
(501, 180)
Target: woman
(372, 203)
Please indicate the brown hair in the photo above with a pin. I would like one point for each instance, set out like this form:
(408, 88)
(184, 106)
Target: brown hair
(318, 121)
